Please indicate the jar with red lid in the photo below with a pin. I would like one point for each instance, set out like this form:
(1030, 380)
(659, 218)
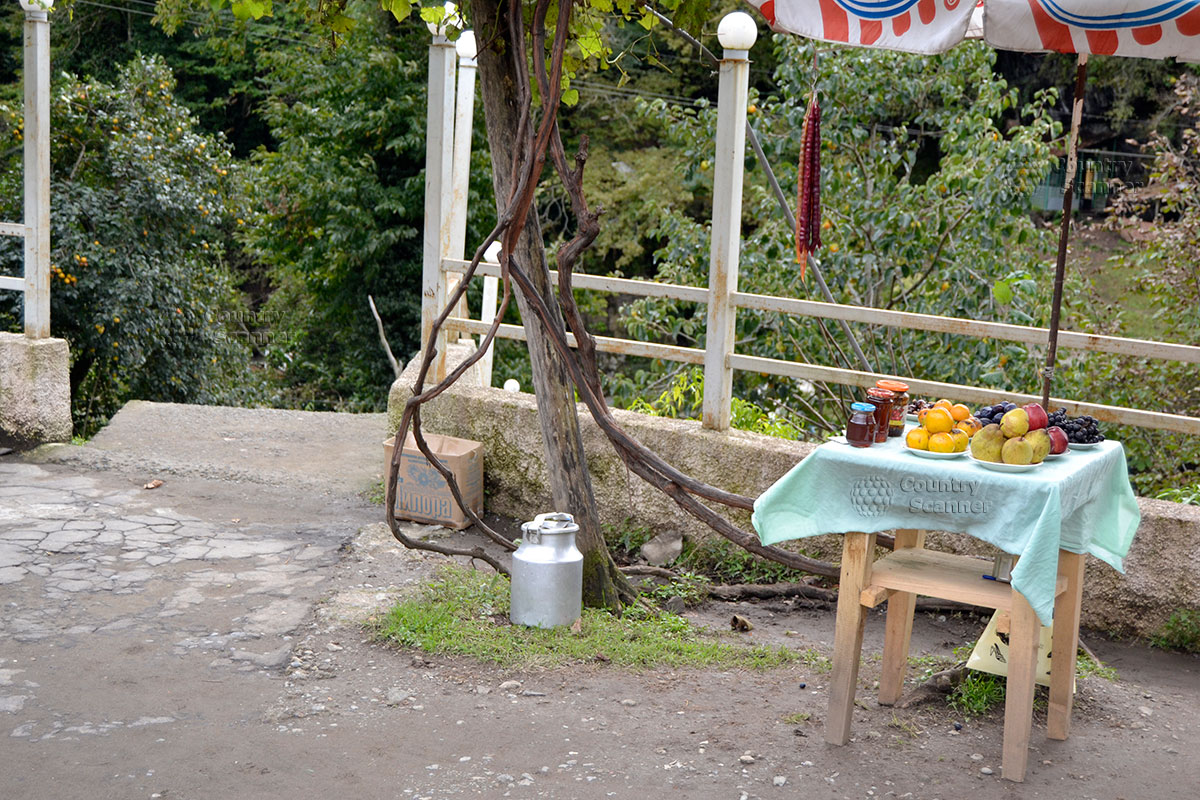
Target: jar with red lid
(899, 405)
(882, 400)
(860, 429)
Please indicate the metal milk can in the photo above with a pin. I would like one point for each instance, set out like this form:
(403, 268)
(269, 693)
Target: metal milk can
(547, 573)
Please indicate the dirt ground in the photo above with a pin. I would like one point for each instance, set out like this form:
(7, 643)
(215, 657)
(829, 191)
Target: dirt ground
(218, 651)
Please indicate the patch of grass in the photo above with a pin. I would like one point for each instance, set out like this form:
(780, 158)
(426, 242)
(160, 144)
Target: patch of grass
(375, 495)
(978, 694)
(907, 725)
(626, 538)
(1180, 632)
(1086, 668)
(725, 562)
(464, 612)
(688, 586)
(796, 719)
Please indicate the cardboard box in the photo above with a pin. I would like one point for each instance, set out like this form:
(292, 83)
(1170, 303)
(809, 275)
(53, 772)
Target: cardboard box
(422, 494)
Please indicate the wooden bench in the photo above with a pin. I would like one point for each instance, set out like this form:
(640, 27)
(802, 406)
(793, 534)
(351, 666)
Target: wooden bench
(911, 570)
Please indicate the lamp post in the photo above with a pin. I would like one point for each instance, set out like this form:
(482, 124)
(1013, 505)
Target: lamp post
(37, 168)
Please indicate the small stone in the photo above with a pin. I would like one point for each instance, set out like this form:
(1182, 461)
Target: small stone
(629, 701)
(464, 759)
(663, 548)
(779, 780)
(483, 690)
(803, 685)
(504, 777)
(675, 605)
(958, 726)
(986, 770)
(1146, 711)
(334, 647)
(747, 759)
(510, 686)
(527, 776)
(396, 696)
(543, 770)
(977, 756)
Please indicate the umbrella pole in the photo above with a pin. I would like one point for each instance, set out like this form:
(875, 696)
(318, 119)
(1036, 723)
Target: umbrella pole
(1065, 234)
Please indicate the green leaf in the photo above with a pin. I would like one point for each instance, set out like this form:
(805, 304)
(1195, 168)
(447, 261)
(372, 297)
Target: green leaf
(1002, 292)
(250, 9)
(570, 97)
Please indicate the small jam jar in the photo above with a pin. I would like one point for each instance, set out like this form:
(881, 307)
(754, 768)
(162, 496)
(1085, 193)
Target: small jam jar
(860, 430)
(882, 400)
(899, 405)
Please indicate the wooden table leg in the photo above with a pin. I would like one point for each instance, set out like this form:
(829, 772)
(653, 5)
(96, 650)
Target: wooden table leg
(858, 551)
(1066, 645)
(1018, 705)
(899, 629)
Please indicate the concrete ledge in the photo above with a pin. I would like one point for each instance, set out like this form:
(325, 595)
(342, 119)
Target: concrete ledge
(1162, 569)
(35, 391)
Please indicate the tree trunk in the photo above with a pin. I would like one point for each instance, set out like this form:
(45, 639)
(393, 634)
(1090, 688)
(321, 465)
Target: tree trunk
(570, 482)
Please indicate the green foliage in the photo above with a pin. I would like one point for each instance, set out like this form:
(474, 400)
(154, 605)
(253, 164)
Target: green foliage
(341, 203)
(977, 694)
(685, 396)
(724, 562)
(925, 200)
(145, 206)
(1182, 494)
(689, 587)
(465, 612)
(626, 538)
(1180, 632)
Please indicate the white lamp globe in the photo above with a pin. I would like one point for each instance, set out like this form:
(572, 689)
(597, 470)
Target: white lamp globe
(37, 5)
(450, 19)
(512, 385)
(466, 47)
(737, 31)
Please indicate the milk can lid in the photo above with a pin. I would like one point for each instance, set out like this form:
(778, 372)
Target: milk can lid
(555, 522)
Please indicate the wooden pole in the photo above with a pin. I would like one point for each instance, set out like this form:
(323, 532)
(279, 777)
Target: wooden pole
(1064, 235)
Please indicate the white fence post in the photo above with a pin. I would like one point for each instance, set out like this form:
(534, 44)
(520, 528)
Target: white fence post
(736, 33)
(37, 169)
(464, 111)
(487, 312)
(439, 146)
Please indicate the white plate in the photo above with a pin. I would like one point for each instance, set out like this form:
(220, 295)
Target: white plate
(1050, 456)
(1077, 446)
(911, 418)
(998, 467)
(931, 454)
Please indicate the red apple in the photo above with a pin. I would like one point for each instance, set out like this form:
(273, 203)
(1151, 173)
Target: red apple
(1037, 416)
(1058, 440)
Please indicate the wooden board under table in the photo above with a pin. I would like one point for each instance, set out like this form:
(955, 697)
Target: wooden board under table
(942, 575)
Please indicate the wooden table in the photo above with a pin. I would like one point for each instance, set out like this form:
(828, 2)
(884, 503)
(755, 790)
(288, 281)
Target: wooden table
(911, 570)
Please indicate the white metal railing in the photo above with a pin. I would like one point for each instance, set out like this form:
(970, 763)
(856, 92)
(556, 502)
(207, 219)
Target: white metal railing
(36, 228)
(723, 299)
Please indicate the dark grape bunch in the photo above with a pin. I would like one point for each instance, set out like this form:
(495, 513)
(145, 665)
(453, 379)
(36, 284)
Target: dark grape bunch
(1080, 430)
(918, 405)
(992, 414)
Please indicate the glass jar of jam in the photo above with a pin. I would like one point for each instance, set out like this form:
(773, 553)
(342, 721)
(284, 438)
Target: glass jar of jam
(882, 400)
(899, 405)
(860, 430)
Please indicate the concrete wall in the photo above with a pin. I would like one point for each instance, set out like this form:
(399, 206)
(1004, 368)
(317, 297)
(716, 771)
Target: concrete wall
(35, 391)
(1162, 569)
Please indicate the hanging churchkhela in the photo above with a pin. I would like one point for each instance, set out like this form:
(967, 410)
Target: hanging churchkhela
(808, 185)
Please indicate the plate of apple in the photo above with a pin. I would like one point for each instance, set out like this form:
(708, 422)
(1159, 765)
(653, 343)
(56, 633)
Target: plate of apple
(1016, 439)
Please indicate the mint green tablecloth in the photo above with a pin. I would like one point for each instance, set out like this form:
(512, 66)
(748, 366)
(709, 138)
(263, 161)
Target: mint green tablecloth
(1080, 502)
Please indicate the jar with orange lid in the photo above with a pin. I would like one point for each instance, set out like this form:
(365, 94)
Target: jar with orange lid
(899, 404)
(882, 399)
